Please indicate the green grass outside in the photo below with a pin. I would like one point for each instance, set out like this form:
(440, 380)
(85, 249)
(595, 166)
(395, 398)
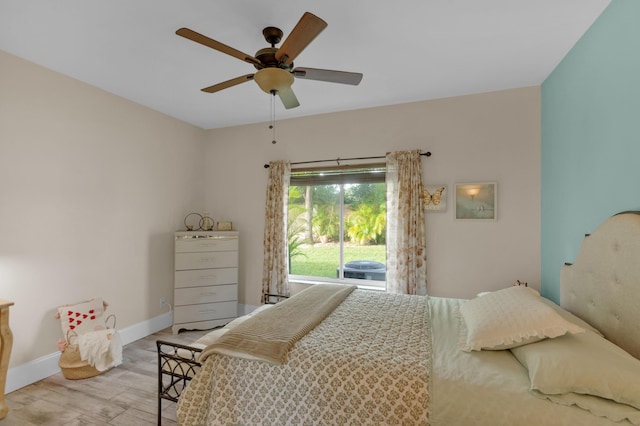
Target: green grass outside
(321, 260)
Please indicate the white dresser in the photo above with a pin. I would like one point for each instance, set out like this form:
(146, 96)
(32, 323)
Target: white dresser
(206, 279)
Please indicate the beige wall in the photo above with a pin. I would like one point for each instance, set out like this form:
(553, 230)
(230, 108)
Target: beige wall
(91, 189)
(485, 137)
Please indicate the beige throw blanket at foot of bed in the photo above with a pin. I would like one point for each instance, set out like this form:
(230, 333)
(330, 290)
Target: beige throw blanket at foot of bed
(269, 335)
(367, 363)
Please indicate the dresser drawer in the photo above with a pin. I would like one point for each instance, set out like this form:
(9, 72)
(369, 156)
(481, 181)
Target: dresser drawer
(205, 311)
(191, 245)
(211, 259)
(214, 293)
(205, 277)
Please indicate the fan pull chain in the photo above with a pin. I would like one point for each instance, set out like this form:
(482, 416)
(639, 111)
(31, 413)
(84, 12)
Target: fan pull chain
(272, 126)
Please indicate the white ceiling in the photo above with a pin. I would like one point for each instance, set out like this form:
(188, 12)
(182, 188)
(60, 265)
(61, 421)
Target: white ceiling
(408, 50)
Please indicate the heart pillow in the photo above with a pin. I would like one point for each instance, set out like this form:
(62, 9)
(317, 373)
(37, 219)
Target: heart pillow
(83, 317)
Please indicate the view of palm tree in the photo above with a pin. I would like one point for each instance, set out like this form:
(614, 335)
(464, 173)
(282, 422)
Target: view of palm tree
(316, 217)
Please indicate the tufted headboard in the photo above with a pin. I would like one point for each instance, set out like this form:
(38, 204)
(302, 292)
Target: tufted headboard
(602, 286)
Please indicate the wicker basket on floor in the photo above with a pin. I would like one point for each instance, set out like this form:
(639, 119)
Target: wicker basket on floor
(72, 365)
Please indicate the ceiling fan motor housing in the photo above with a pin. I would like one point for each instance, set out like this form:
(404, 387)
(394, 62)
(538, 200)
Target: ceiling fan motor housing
(267, 57)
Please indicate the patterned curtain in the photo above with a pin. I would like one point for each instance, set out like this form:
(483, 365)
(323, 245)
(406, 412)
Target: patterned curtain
(406, 235)
(275, 270)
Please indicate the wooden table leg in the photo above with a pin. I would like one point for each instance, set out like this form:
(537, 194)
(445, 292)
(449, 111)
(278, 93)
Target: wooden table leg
(6, 341)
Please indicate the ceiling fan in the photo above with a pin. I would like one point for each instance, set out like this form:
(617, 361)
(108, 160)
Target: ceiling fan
(275, 65)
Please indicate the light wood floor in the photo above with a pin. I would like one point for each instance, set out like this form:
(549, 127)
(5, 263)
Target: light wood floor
(125, 395)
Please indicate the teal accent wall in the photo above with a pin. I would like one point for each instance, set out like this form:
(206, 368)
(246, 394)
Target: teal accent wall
(590, 137)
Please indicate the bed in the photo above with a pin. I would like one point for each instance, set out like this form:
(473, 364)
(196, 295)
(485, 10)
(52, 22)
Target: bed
(507, 357)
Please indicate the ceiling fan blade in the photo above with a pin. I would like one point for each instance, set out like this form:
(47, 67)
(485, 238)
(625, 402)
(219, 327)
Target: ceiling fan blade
(307, 28)
(220, 47)
(228, 83)
(288, 98)
(331, 76)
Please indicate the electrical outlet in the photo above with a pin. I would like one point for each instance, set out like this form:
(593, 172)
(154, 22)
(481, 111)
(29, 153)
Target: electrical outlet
(163, 302)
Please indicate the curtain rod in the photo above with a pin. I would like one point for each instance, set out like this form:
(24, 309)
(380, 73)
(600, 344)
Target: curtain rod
(337, 160)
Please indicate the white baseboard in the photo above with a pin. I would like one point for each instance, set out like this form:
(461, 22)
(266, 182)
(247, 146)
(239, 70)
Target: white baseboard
(145, 328)
(32, 371)
(43, 367)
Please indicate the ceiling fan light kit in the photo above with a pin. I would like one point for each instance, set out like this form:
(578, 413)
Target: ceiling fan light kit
(273, 79)
(275, 65)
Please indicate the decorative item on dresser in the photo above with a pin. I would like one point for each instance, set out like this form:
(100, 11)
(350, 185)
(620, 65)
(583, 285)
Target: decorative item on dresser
(224, 226)
(206, 279)
(193, 221)
(6, 341)
(207, 222)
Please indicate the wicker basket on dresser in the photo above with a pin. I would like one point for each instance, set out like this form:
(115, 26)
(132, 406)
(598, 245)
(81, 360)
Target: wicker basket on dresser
(206, 279)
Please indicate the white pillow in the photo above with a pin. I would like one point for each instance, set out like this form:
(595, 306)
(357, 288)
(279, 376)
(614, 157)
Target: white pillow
(570, 317)
(82, 317)
(597, 406)
(508, 318)
(583, 364)
(484, 293)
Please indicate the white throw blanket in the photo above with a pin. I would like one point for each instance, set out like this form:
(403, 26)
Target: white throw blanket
(101, 349)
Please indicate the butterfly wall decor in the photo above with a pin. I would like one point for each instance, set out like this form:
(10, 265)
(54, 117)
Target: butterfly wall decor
(435, 198)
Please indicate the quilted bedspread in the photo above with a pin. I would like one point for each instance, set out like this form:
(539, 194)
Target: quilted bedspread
(367, 363)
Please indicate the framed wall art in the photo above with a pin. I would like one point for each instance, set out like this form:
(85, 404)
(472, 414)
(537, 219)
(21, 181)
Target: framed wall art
(435, 198)
(476, 201)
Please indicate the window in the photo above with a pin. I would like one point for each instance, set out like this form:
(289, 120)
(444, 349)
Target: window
(337, 225)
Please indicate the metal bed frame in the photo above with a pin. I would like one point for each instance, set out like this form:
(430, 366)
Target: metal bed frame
(175, 370)
(272, 299)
